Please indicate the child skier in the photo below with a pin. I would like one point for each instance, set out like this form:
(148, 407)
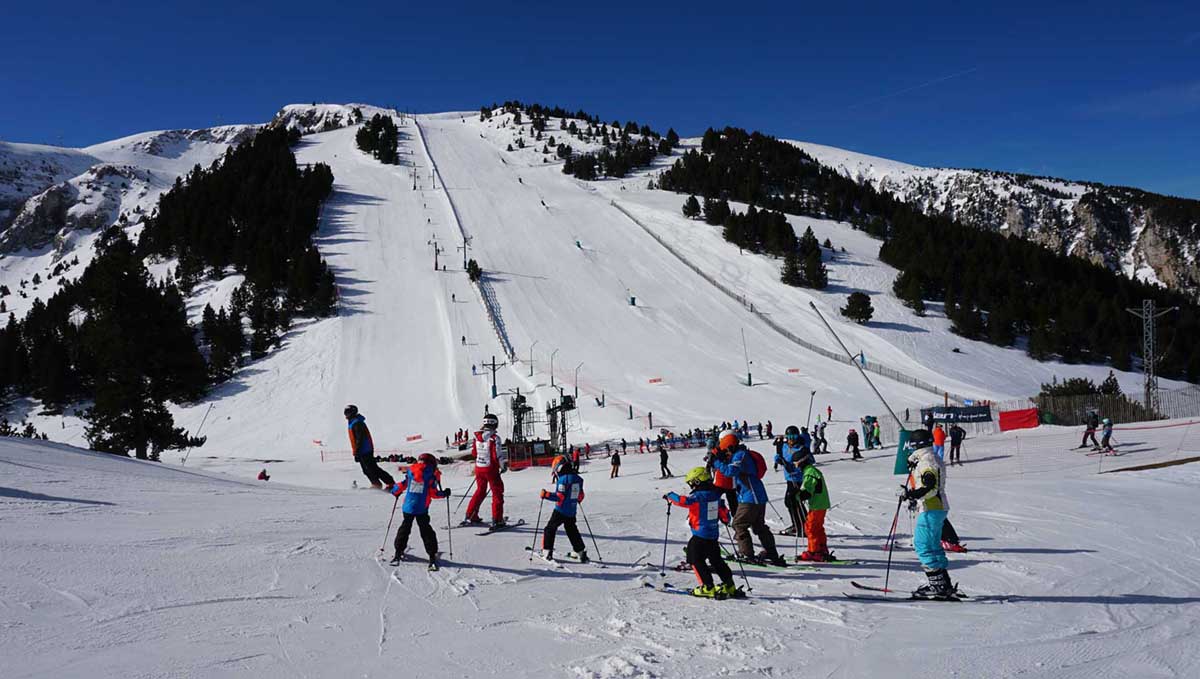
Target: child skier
(816, 493)
(568, 493)
(852, 444)
(930, 495)
(790, 453)
(1106, 437)
(705, 508)
(422, 484)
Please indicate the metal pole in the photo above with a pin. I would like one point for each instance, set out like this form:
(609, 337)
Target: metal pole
(590, 533)
(856, 365)
(531, 346)
(811, 396)
(746, 353)
(577, 380)
(198, 430)
(552, 366)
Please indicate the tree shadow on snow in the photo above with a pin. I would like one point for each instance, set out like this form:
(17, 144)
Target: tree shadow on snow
(38, 497)
(902, 327)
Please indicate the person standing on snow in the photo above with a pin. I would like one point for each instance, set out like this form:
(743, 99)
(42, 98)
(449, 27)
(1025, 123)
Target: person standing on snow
(929, 477)
(1091, 424)
(662, 462)
(814, 491)
(364, 448)
(957, 434)
(876, 432)
(746, 468)
(422, 484)
(1106, 437)
(616, 464)
(491, 461)
(852, 444)
(788, 455)
(567, 494)
(705, 509)
(939, 442)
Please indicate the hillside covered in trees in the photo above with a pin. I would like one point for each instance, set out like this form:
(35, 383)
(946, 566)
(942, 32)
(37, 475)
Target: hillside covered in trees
(993, 288)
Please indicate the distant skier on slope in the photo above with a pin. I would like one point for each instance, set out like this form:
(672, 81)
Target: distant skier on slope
(421, 485)
(363, 448)
(1106, 437)
(615, 460)
(852, 444)
(662, 462)
(930, 495)
(491, 460)
(957, 435)
(705, 508)
(746, 468)
(1090, 425)
(567, 494)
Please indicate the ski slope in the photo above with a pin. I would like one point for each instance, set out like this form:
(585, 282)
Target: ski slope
(111, 567)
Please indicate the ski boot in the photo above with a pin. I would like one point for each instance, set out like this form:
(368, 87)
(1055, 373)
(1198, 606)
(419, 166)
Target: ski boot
(939, 587)
(433, 563)
(954, 547)
(776, 560)
(396, 559)
(816, 556)
(377, 485)
(705, 591)
(728, 590)
(583, 556)
(473, 521)
(497, 524)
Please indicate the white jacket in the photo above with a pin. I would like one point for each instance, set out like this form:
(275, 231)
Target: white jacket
(929, 468)
(488, 450)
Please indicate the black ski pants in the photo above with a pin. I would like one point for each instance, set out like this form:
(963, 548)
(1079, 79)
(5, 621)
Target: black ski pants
(665, 472)
(948, 532)
(704, 556)
(374, 474)
(557, 519)
(428, 536)
(795, 508)
(750, 517)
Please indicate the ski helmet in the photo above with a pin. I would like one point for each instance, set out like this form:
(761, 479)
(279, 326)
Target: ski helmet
(427, 459)
(920, 438)
(565, 466)
(1107, 421)
(728, 440)
(490, 421)
(350, 411)
(792, 431)
(697, 476)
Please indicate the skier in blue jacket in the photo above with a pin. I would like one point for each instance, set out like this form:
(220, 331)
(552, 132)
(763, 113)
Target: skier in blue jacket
(421, 485)
(789, 456)
(567, 494)
(746, 467)
(705, 509)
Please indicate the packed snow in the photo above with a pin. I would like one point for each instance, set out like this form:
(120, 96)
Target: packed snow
(111, 567)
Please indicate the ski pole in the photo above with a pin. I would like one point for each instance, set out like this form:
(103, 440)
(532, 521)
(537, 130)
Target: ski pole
(464, 497)
(776, 511)
(891, 543)
(536, 528)
(388, 532)
(662, 571)
(449, 533)
(590, 533)
(741, 566)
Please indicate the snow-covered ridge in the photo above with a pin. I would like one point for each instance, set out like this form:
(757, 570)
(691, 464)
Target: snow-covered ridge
(310, 118)
(1117, 227)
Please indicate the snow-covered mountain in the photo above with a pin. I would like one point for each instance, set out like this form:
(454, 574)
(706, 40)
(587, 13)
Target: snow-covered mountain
(1153, 237)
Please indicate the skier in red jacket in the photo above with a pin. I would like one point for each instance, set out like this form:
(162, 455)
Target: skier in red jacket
(491, 461)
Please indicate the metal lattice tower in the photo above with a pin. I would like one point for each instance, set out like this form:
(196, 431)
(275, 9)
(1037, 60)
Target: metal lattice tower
(1149, 356)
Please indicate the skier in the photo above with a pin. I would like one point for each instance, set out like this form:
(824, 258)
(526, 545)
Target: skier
(930, 473)
(491, 460)
(705, 508)
(829, 412)
(877, 433)
(421, 485)
(957, 434)
(747, 467)
(852, 444)
(364, 448)
(816, 493)
(616, 465)
(662, 462)
(1106, 437)
(779, 440)
(805, 439)
(568, 493)
(760, 431)
(464, 340)
(939, 442)
(769, 429)
(823, 443)
(263, 475)
(624, 444)
(1090, 425)
(789, 455)
(452, 299)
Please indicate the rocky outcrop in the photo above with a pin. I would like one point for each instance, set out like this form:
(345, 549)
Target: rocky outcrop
(87, 202)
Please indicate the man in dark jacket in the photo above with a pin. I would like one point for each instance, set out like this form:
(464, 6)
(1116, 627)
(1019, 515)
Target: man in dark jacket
(364, 449)
(957, 434)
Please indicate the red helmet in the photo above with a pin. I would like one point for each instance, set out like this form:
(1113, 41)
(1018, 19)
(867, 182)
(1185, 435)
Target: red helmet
(427, 459)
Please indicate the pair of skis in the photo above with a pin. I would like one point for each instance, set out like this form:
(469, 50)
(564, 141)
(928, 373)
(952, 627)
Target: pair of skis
(869, 593)
(495, 528)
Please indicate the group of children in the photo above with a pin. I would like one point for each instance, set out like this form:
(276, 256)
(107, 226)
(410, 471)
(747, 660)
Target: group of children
(728, 490)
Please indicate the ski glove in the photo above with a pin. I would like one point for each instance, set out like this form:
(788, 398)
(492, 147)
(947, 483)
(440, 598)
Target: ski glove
(545, 494)
(446, 491)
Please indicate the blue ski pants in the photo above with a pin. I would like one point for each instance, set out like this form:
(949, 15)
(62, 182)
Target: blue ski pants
(927, 539)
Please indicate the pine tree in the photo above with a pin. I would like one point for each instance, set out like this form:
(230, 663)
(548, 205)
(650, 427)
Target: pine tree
(790, 273)
(815, 274)
(858, 308)
(691, 208)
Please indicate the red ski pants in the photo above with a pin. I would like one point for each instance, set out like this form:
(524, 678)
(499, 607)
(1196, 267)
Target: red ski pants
(814, 528)
(486, 477)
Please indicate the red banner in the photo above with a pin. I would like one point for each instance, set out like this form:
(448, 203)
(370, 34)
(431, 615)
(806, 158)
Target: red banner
(414, 437)
(1018, 419)
(655, 380)
(793, 370)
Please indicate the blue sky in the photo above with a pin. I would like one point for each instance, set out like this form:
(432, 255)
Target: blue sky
(1101, 91)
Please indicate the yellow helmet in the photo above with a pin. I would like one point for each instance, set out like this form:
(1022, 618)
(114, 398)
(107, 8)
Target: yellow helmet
(698, 476)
